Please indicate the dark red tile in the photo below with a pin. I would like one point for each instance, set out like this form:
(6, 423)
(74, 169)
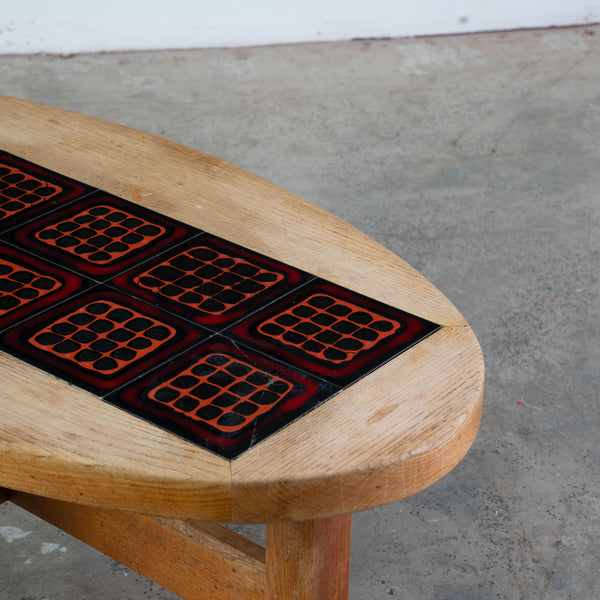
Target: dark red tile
(28, 285)
(28, 190)
(332, 332)
(223, 397)
(100, 340)
(100, 235)
(210, 281)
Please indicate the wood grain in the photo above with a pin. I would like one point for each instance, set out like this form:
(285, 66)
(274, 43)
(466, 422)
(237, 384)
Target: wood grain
(308, 560)
(218, 197)
(58, 441)
(192, 559)
(387, 436)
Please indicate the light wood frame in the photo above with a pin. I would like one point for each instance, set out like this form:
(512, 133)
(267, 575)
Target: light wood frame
(397, 430)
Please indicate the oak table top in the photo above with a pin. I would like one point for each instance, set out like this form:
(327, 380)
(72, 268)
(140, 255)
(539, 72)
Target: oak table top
(396, 424)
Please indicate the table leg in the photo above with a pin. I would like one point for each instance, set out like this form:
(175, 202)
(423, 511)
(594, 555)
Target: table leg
(193, 559)
(308, 560)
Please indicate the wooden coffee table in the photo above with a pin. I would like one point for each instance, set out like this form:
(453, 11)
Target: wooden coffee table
(183, 343)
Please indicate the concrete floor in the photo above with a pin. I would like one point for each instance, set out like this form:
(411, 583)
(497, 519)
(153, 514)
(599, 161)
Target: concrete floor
(477, 159)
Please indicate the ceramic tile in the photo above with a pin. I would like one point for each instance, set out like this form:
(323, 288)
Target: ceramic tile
(211, 281)
(29, 284)
(27, 190)
(100, 340)
(223, 396)
(100, 235)
(332, 332)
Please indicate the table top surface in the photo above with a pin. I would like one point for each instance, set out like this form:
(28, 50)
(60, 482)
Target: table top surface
(182, 338)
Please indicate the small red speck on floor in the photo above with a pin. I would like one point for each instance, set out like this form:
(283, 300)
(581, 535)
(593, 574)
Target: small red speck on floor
(520, 402)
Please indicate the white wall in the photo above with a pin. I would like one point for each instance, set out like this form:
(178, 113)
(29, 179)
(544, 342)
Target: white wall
(67, 26)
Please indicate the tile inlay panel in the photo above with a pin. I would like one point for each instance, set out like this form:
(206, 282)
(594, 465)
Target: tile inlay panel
(195, 334)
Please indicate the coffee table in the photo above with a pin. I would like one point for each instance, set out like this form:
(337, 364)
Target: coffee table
(183, 344)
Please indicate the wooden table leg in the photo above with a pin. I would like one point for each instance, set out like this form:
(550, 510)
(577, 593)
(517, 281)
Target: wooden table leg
(305, 560)
(193, 559)
(308, 560)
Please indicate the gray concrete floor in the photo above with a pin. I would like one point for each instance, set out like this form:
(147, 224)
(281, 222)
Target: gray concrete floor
(477, 159)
